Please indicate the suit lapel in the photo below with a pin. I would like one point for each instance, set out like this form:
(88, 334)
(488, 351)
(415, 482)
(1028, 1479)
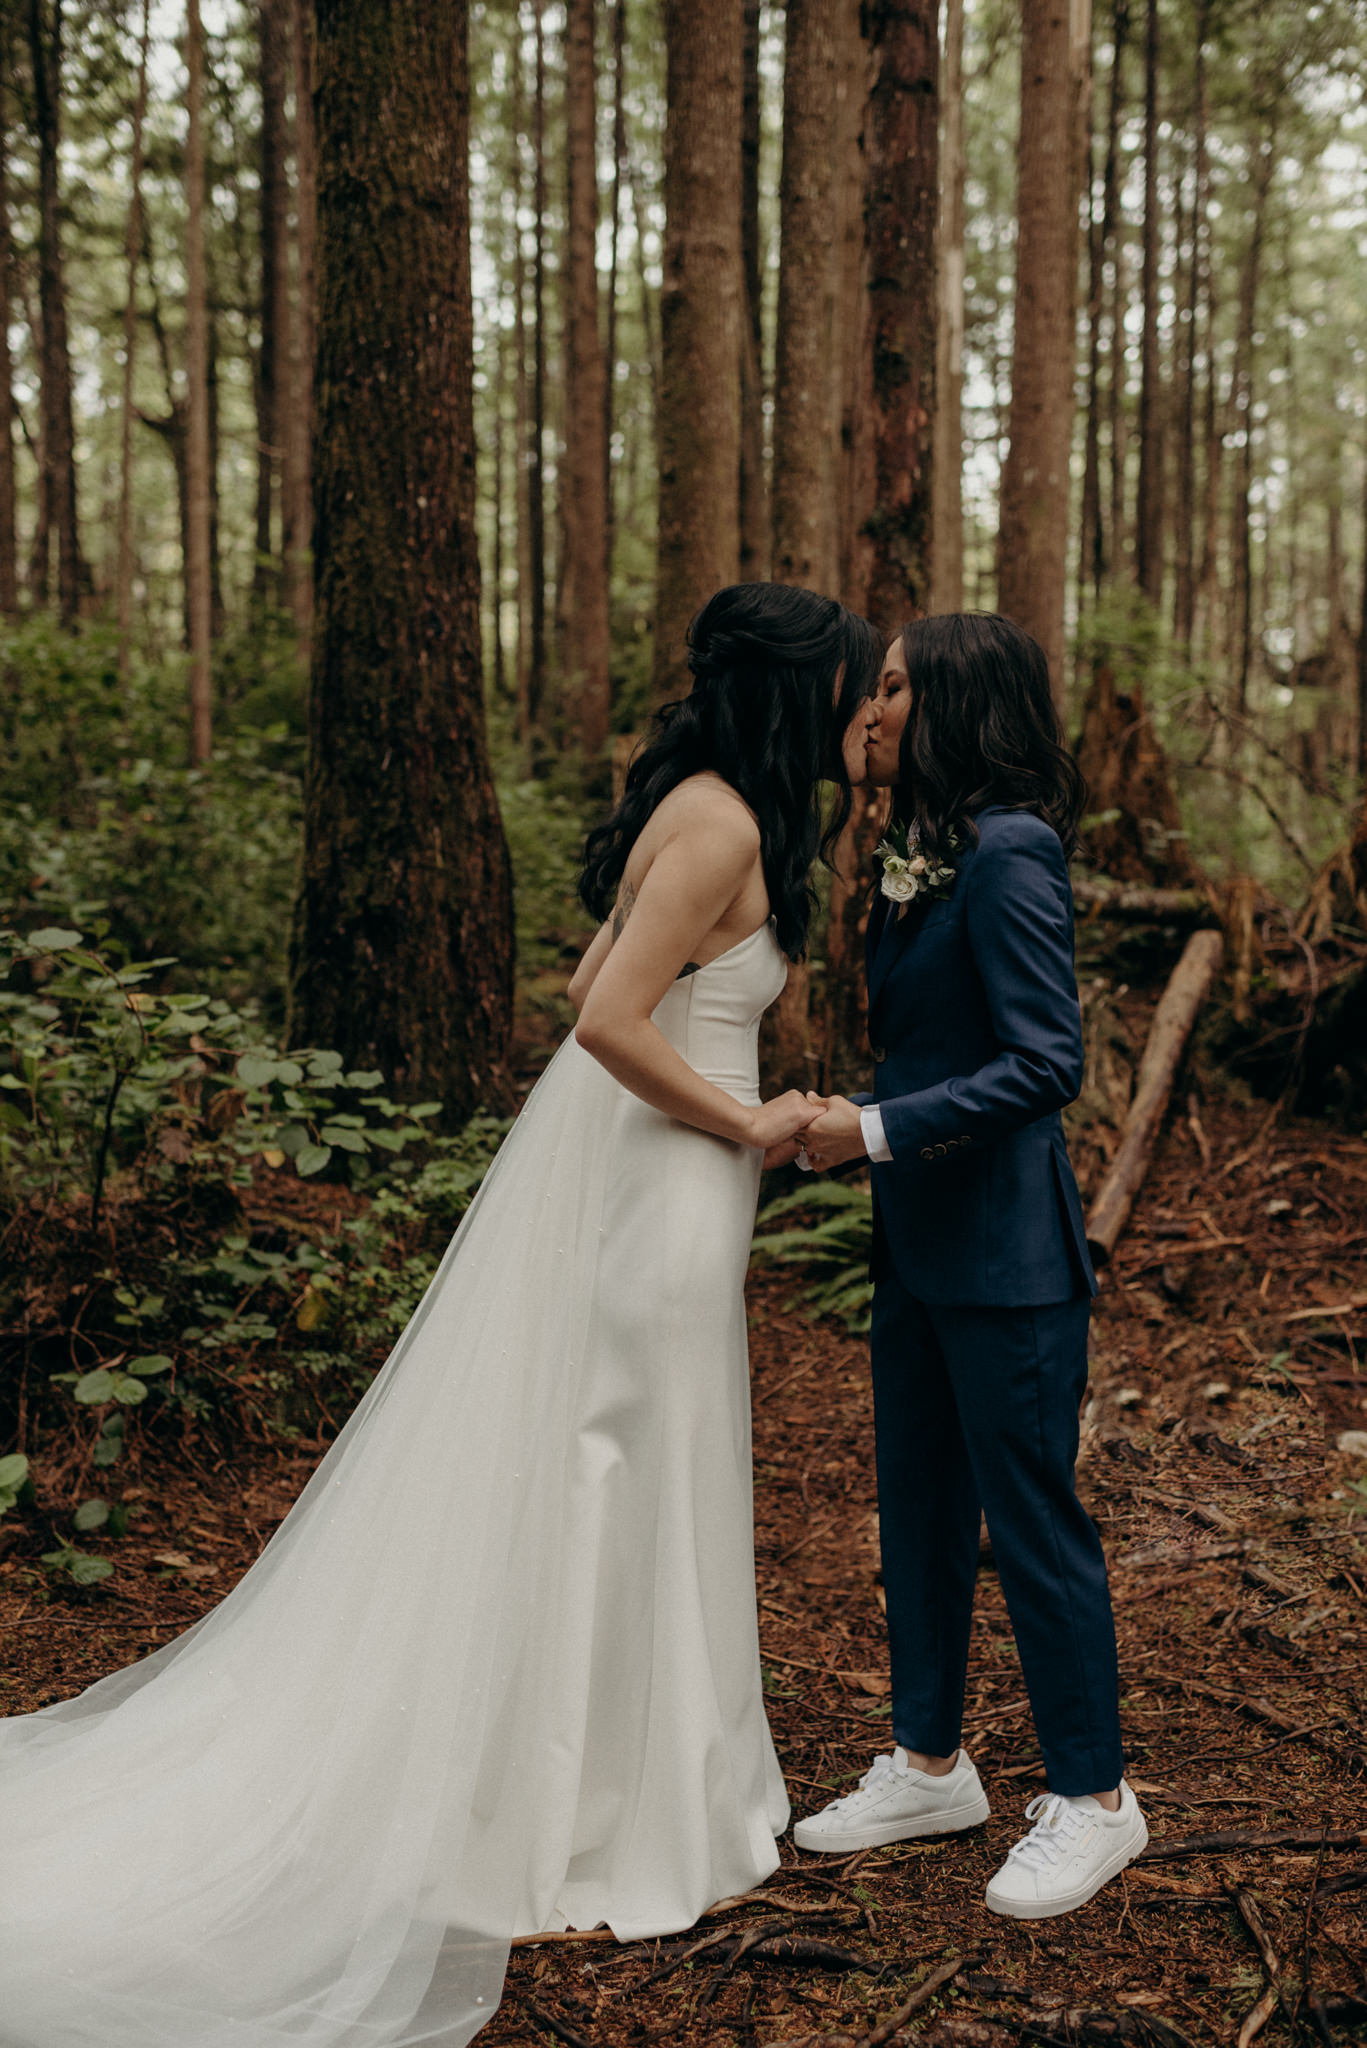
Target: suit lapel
(893, 936)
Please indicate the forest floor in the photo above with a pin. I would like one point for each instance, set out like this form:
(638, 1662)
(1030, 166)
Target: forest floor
(1227, 1362)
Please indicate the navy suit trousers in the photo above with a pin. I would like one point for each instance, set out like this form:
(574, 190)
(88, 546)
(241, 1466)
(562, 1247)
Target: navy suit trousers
(977, 1413)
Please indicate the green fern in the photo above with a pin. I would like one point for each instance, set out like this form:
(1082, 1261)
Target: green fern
(831, 1242)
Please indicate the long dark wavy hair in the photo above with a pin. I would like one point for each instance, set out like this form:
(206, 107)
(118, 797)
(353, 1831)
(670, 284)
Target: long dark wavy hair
(981, 729)
(763, 713)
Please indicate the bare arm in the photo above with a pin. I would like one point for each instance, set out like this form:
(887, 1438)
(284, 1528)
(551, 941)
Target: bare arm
(694, 878)
(585, 974)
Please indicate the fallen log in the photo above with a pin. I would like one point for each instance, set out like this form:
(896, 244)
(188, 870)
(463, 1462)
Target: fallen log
(1171, 1028)
(1144, 906)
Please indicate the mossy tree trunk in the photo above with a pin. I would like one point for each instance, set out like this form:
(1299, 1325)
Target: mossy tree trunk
(403, 950)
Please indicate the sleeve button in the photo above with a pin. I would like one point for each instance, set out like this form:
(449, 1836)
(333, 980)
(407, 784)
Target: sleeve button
(940, 1151)
(880, 1053)
(927, 1152)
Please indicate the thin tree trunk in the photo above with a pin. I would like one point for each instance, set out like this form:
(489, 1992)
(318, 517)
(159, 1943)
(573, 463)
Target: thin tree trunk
(702, 311)
(296, 543)
(198, 552)
(536, 454)
(947, 565)
(402, 955)
(522, 384)
(58, 437)
(583, 490)
(619, 153)
(754, 495)
(803, 489)
(496, 597)
(1362, 682)
(1033, 535)
(1205, 600)
(1113, 251)
(132, 246)
(1242, 411)
(1148, 535)
(274, 352)
(1091, 537)
(9, 565)
(1185, 348)
(901, 218)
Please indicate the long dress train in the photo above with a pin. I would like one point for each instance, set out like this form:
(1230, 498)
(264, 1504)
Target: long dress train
(496, 1673)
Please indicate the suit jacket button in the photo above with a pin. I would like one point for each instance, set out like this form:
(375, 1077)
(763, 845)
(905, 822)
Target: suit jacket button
(880, 1053)
(965, 1141)
(927, 1151)
(940, 1151)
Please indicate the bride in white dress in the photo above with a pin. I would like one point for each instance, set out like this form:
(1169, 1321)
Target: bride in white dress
(497, 1672)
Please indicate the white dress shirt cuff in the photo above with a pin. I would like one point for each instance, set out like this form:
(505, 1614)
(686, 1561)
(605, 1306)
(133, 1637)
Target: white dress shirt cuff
(875, 1140)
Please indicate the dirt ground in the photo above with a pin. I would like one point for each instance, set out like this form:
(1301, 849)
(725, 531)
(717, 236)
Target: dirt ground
(1227, 1362)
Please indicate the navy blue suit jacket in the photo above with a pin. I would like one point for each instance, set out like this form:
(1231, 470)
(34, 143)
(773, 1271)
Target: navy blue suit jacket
(977, 1045)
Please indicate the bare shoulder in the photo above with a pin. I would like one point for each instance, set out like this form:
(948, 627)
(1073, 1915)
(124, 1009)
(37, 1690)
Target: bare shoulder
(705, 804)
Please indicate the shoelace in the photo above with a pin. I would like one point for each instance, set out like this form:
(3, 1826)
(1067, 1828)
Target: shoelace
(873, 1780)
(1058, 1823)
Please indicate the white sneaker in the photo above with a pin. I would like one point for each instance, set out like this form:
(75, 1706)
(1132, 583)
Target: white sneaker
(1074, 1847)
(895, 1803)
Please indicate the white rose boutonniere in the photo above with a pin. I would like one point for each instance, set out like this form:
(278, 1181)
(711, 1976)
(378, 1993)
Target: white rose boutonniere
(908, 873)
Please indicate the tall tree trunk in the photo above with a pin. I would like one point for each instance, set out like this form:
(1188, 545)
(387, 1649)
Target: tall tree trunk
(701, 315)
(1185, 381)
(803, 487)
(198, 507)
(132, 246)
(1205, 598)
(850, 367)
(1092, 537)
(754, 495)
(274, 352)
(1361, 679)
(1033, 536)
(619, 157)
(1148, 553)
(947, 565)
(296, 540)
(58, 436)
(9, 566)
(1113, 252)
(517, 124)
(901, 218)
(403, 949)
(1241, 407)
(536, 426)
(497, 458)
(583, 493)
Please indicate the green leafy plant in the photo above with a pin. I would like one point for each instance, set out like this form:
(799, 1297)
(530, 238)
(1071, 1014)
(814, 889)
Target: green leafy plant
(829, 1240)
(15, 1483)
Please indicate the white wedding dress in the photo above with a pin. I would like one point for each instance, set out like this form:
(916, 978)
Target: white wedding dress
(498, 1670)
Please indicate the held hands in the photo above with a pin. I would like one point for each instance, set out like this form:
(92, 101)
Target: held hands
(835, 1133)
(776, 1127)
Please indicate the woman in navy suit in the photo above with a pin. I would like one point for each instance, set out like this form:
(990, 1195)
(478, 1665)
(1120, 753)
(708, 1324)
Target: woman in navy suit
(983, 1284)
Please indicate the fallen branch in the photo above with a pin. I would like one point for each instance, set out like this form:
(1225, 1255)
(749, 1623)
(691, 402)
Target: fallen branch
(1274, 1993)
(1236, 1841)
(1171, 1028)
(922, 1995)
(1144, 906)
(549, 2024)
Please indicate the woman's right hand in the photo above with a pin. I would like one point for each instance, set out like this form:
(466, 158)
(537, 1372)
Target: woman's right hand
(783, 1118)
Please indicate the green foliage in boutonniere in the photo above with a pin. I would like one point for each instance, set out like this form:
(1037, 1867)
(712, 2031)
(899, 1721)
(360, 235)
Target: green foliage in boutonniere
(909, 874)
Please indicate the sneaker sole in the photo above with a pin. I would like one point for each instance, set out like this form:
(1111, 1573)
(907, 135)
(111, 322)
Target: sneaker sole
(1050, 1909)
(826, 1842)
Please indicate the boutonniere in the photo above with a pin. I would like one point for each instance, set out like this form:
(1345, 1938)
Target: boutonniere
(908, 873)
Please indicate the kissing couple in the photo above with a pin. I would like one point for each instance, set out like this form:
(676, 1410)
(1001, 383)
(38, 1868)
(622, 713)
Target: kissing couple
(497, 1673)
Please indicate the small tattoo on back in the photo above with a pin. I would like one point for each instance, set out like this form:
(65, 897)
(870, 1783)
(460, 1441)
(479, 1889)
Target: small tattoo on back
(625, 900)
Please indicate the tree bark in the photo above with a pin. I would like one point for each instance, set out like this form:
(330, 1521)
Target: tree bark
(9, 565)
(1241, 406)
(58, 436)
(901, 218)
(1091, 566)
(1033, 536)
(947, 563)
(273, 354)
(1177, 1012)
(850, 366)
(1184, 602)
(803, 486)
(132, 247)
(1111, 553)
(1130, 788)
(583, 489)
(198, 488)
(403, 951)
(1148, 537)
(619, 157)
(754, 493)
(536, 426)
(701, 317)
(296, 541)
